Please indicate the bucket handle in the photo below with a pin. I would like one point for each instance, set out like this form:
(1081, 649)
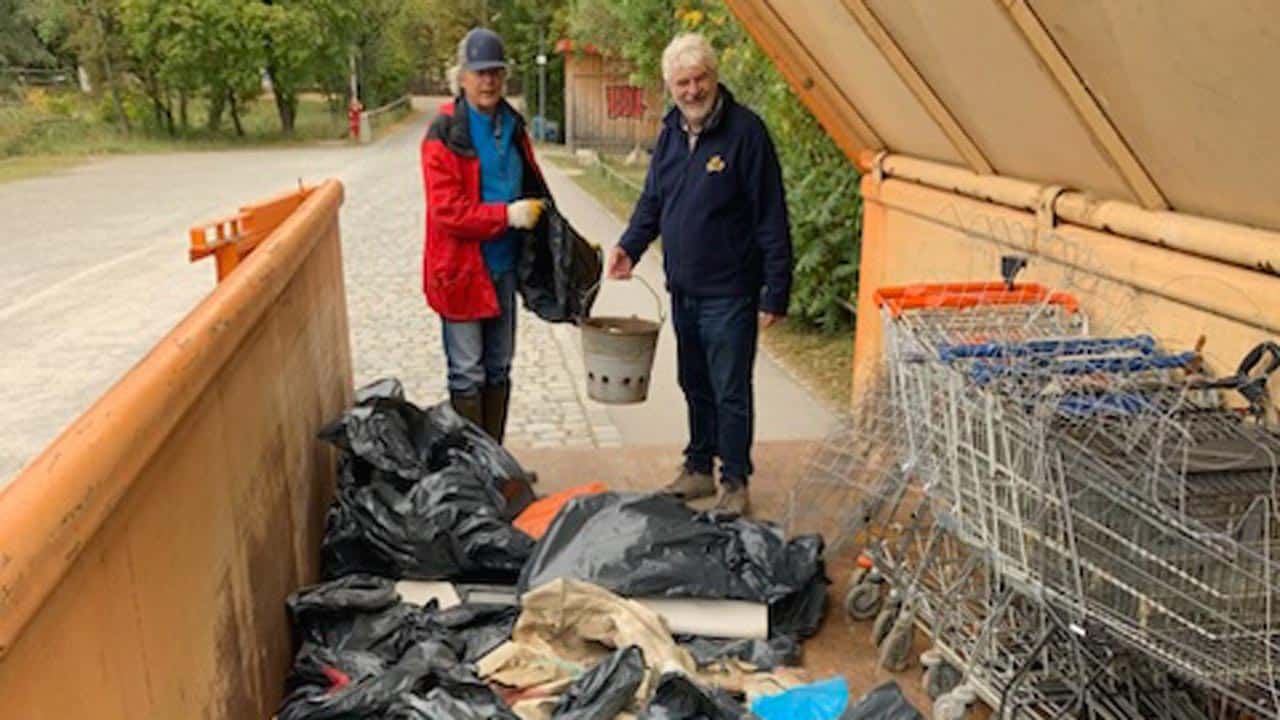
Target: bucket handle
(657, 300)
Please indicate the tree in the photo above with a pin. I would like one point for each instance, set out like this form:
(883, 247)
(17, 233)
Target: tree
(19, 42)
(86, 32)
(153, 29)
(383, 42)
(530, 29)
(302, 40)
(232, 58)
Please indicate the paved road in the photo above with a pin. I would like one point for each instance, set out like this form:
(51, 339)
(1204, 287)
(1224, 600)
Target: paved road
(96, 273)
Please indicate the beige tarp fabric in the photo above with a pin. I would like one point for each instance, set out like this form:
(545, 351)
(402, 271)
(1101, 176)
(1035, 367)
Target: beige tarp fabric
(1169, 104)
(566, 627)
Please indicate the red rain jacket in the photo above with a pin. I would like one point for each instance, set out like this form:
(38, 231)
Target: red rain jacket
(454, 276)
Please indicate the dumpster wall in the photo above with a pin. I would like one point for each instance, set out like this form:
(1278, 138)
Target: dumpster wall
(146, 555)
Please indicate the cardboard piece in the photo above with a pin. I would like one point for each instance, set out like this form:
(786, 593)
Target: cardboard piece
(417, 592)
(711, 618)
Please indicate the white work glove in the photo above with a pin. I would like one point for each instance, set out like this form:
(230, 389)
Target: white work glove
(524, 214)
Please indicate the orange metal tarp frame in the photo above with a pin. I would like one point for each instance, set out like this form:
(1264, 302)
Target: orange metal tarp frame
(963, 295)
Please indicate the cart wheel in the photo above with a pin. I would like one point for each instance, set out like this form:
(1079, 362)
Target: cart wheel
(895, 652)
(884, 623)
(965, 694)
(941, 679)
(949, 708)
(863, 600)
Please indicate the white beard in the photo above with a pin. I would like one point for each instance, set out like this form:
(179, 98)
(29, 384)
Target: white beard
(697, 114)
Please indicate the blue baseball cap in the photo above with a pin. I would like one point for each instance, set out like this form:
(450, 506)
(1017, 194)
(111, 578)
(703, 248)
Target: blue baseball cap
(482, 50)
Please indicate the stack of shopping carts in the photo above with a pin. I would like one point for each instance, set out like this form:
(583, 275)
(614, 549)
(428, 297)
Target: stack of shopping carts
(1084, 525)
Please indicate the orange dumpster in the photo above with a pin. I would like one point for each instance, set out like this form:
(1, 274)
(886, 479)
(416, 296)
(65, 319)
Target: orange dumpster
(145, 556)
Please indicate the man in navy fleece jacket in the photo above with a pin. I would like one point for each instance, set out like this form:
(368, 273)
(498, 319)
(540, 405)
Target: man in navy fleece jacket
(714, 192)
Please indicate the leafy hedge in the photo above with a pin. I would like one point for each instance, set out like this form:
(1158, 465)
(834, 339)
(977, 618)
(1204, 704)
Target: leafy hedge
(822, 185)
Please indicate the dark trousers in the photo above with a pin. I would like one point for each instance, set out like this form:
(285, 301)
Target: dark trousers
(716, 353)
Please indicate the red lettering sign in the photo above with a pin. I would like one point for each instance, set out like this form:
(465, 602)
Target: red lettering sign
(625, 101)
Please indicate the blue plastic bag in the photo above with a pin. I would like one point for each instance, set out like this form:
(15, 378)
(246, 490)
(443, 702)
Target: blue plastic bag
(824, 700)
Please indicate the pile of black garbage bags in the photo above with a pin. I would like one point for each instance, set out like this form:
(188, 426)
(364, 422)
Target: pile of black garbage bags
(423, 494)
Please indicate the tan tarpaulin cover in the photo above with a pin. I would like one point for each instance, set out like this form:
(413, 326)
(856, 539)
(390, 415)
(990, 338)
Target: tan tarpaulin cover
(567, 626)
(1164, 103)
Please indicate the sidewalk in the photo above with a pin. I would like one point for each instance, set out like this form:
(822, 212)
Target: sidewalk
(784, 409)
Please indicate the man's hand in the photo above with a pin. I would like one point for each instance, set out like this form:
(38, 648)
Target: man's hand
(524, 214)
(619, 264)
(768, 320)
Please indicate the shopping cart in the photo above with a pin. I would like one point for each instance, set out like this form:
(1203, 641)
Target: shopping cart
(1091, 482)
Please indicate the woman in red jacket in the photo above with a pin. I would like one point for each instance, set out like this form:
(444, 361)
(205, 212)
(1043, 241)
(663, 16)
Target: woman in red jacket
(483, 188)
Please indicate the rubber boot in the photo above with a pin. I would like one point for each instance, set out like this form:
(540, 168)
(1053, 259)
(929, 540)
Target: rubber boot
(469, 406)
(496, 399)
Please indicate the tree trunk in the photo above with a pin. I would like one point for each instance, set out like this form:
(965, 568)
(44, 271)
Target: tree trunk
(287, 107)
(109, 73)
(160, 106)
(182, 110)
(115, 96)
(235, 113)
(217, 103)
(286, 100)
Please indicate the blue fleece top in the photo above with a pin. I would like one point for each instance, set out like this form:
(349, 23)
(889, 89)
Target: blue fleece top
(501, 169)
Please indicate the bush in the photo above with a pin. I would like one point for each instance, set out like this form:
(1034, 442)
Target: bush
(64, 104)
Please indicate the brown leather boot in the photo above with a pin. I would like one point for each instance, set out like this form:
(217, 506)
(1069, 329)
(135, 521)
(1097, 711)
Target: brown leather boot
(469, 406)
(496, 399)
(690, 485)
(733, 497)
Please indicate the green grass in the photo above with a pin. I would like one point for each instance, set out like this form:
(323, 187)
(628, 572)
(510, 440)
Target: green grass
(619, 198)
(822, 361)
(71, 124)
(21, 168)
(53, 131)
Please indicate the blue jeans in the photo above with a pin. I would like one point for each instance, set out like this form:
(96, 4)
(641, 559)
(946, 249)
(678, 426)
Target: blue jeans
(479, 352)
(715, 354)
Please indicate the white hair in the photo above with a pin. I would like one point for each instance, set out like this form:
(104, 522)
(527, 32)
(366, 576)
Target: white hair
(689, 50)
(453, 76)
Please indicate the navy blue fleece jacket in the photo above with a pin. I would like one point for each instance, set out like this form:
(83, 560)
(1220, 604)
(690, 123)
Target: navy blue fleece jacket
(721, 210)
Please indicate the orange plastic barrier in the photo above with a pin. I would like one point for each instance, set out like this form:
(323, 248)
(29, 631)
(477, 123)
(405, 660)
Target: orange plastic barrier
(236, 236)
(145, 556)
(536, 519)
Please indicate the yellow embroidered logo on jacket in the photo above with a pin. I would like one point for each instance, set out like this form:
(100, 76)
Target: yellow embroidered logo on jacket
(715, 164)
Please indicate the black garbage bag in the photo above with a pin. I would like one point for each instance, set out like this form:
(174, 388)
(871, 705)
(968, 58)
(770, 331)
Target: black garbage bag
(440, 703)
(355, 685)
(325, 685)
(386, 431)
(445, 526)
(652, 545)
(464, 442)
(321, 670)
(801, 613)
(679, 698)
(884, 702)
(606, 689)
(559, 277)
(356, 612)
(346, 595)
(395, 441)
(765, 654)
(480, 628)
